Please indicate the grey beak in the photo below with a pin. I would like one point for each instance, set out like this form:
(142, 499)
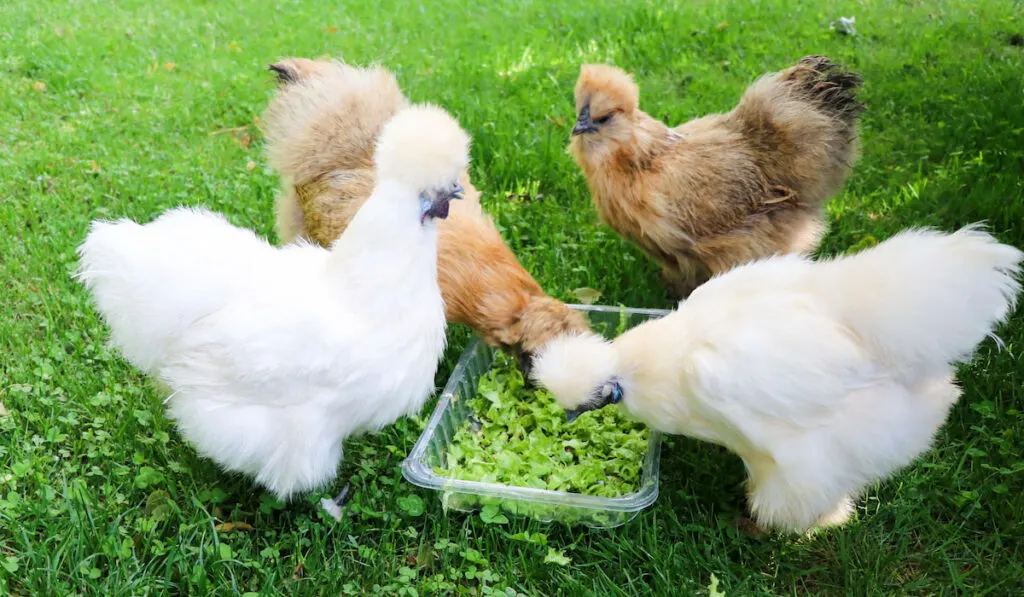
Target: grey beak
(607, 393)
(582, 128)
(525, 361)
(583, 123)
(458, 191)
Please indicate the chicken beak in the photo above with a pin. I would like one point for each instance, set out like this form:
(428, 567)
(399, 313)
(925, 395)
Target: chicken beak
(572, 415)
(584, 124)
(607, 393)
(524, 359)
(582, 128)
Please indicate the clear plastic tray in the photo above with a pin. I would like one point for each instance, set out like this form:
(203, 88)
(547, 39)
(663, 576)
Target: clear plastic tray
(540, 504)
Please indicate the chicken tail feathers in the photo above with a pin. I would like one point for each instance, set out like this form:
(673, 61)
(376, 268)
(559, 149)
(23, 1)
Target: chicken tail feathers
(778, 103)
(925, 299)
(802, 122)
(293, 70)
(283, 74)
(111, 267)
(148, 284)
(831, 87)
(316, 99)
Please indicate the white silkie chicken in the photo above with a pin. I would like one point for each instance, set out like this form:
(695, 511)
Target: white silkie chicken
(273, 356)
(822, 376)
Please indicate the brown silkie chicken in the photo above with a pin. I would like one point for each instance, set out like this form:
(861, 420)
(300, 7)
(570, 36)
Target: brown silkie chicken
(724, 189)
(322, 126)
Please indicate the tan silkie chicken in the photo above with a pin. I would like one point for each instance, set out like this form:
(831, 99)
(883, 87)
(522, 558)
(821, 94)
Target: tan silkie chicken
(724, 189)
(322, 125)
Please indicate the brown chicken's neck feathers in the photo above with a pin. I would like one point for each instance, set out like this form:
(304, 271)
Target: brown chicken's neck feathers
(544, 318)
(523, 317)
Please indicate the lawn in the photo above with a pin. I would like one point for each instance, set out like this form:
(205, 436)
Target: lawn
(129, 108)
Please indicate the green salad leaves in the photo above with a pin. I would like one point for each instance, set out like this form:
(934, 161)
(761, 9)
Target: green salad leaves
(519, 436)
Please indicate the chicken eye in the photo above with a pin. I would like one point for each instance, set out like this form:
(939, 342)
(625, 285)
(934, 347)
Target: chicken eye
(603, 119)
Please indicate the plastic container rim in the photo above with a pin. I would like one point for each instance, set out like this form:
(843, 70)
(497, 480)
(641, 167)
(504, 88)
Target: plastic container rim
(416, 470)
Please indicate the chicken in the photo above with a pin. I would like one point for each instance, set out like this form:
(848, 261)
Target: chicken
(823, 376)
(321, 126)
(724, 189)
(273, 356)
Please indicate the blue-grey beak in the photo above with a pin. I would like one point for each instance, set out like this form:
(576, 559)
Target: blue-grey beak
(583, 123)
(524, 359)
(434, 203)
(607, 393)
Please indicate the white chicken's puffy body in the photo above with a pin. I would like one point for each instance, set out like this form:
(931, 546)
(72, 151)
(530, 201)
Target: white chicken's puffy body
(823, 377)
(272, 363)
(781, 381)
(273, 356)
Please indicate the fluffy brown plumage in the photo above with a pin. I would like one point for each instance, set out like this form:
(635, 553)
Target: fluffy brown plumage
(724, 189)
(321, 129)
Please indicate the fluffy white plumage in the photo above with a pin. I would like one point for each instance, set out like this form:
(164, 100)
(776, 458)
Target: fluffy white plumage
(275, 355)
(823, 376)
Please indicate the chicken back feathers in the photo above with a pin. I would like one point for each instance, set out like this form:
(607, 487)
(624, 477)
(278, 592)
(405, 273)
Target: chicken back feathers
(273, 356)
(724, 189)
(322, 126)
(823, 376)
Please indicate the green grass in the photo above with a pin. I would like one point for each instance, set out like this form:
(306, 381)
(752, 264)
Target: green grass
(99, 495)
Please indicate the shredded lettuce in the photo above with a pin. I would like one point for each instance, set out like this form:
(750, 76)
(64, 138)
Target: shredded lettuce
(520, 436)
